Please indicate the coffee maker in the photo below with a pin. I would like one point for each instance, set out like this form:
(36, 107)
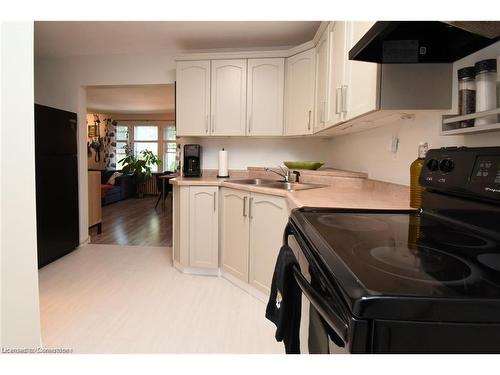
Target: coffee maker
(192, 161)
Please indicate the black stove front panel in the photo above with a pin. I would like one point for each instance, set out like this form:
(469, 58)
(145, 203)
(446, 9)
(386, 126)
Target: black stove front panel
(392, 257)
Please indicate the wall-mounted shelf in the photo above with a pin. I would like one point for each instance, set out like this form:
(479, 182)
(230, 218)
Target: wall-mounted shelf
(451, 123)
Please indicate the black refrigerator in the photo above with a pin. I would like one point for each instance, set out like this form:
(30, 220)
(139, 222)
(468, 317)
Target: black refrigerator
(56, 183)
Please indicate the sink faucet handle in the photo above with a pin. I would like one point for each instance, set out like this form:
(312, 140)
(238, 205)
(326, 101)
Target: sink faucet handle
(297, 176)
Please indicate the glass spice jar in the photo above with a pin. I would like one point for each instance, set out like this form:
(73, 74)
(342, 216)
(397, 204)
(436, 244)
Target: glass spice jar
(466, 94)
(486, 92)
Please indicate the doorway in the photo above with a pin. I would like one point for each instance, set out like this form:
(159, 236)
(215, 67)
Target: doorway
(131, 205)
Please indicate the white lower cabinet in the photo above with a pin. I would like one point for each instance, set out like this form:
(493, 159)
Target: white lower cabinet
(234, 231)
(196, 227)
(268, 218)
(252, 227)
(203, 226)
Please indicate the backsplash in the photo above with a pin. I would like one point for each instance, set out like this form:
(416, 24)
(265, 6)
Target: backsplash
(370, 151)
(265, 152)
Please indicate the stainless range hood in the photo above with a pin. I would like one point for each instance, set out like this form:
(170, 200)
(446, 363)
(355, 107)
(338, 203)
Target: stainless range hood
(396, 42)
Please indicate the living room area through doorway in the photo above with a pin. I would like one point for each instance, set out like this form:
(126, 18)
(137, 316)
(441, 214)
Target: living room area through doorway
(131, 154)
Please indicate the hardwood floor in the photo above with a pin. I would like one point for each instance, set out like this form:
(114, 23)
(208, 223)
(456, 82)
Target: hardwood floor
(123, 299)
(135, 222)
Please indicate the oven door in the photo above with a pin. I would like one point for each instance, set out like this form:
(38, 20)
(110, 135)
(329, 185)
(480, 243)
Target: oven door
(323, 328)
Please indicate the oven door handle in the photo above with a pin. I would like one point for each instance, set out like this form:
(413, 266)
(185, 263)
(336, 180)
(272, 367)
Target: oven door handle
(335, 322)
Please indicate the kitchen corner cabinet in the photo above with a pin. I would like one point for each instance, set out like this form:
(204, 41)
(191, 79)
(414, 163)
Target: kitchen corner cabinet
(235, 229)
(299, 93)
(252, 227)
(196, 227)
(193, 98)
(228, 97)
(266, 81)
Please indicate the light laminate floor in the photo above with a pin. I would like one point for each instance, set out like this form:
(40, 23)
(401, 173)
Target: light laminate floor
(129, 299)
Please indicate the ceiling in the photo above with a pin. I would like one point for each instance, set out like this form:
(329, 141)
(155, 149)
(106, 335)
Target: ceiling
(138, 99)
(79, 38)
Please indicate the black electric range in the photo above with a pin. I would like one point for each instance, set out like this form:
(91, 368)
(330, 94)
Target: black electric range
(392, 281)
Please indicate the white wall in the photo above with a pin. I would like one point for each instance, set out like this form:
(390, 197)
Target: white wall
(265, 152)
(369, 151)
(61, 83)
(20, 315)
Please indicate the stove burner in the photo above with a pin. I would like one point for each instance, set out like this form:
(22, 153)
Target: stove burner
(460, 239)
(423, 264)
(355, 223)
(491, 260)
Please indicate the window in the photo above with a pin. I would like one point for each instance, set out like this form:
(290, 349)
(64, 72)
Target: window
(122, 140)
(160, 139)
(146, 138)
(169, 149)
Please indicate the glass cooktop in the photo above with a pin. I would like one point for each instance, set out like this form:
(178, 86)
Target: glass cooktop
(402, 254)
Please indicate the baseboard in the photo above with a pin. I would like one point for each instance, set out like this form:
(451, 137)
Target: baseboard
(261, 296)
(246, 287)
(197, 271)
(85, 241)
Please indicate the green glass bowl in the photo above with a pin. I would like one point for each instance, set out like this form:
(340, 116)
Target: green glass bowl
(312, 165)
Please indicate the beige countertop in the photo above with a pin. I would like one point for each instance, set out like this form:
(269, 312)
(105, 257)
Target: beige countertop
(345, 192)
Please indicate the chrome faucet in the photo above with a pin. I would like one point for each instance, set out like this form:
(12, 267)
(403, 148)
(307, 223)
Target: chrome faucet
(286, 174)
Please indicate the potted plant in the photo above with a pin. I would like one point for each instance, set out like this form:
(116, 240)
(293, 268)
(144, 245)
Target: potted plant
(140, 166)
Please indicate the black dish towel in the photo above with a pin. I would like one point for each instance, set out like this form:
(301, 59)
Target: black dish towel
(283, 308)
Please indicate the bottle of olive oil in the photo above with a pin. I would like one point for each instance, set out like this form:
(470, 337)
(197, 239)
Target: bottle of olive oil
(415, 169)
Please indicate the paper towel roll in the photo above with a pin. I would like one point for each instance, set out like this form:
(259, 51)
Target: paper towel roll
(223, 172)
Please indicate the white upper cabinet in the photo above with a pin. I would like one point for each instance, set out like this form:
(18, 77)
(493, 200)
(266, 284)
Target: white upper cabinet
(299, 93)
(228, 97)
(193, 98)
(338, 58)
(265, 96)
(321, 114)
(362, 82)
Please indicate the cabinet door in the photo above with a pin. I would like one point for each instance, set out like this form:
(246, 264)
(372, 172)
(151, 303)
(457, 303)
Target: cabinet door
(322, 78)
(228, 99)
(193, 98)
(299, 93)
(203, 226)
(338, 48)
(265, 96)
(268, 217)
(235, 232)
(361, 89)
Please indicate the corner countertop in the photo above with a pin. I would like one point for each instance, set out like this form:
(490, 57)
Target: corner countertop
(345, 192)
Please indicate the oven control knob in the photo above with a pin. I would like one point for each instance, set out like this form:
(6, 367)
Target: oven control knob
(433, 165)
(446, 165)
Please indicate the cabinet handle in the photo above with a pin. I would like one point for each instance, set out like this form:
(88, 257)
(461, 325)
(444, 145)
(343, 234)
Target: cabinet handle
(309, 121)
(338, 96)
(344, 98)
(206, 124)
(213, 123)
(244, 206)
(249, 123)
(215, 199)
(250, 208)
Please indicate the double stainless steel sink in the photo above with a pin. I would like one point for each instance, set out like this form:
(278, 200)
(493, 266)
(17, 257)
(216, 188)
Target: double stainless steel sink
(274, 184)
